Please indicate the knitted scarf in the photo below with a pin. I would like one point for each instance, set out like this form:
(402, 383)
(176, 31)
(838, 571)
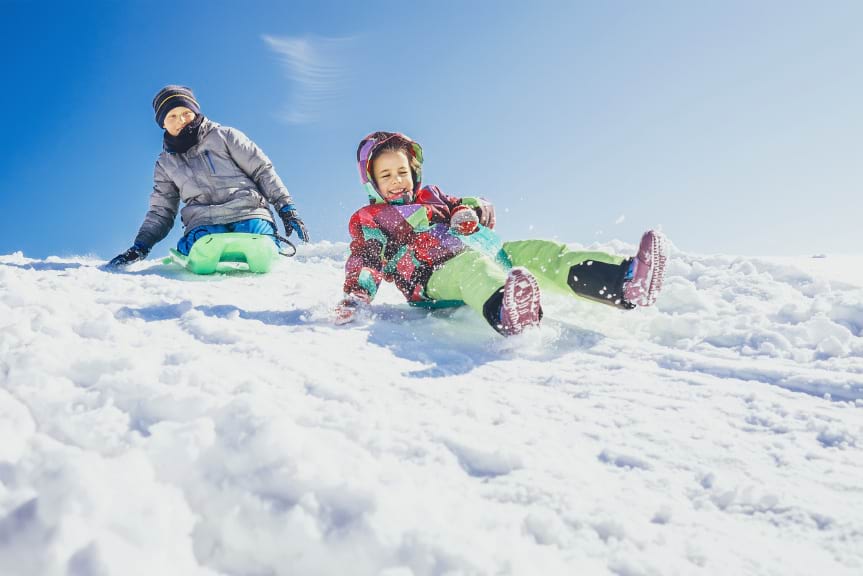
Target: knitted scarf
(187, 137)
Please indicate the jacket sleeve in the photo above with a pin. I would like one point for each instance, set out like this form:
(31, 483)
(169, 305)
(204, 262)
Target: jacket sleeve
(439, 205)
(164, 202)
(363, 269)
(258, 166)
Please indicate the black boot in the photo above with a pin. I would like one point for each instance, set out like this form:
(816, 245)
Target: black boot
(600, 282)
(516, 305)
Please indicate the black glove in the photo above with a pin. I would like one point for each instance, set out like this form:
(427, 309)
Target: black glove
(133, 254)
(292, 222)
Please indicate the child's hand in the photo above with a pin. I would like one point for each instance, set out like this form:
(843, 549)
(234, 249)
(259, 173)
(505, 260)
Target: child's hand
(293, 223)
(463, 220)
(133, 254)
(486, 212)
(346, 311)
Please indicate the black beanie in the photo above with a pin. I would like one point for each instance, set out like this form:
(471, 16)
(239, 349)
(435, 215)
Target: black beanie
(169, 98)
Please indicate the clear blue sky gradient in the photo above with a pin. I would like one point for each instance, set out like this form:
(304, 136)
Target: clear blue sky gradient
(735, 126)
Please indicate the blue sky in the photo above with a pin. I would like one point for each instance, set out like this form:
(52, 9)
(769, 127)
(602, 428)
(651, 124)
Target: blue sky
(734, 126)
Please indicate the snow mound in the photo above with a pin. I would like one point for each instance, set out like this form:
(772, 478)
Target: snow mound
(157, 422)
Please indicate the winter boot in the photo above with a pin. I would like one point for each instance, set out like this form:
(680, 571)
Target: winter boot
(601, 282)
(644, 280)
(516, 306)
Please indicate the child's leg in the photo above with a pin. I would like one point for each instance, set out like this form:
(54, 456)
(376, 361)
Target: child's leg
(597, 276)
(470, 277)
(184, 246)
(509, 302)
(255, 226)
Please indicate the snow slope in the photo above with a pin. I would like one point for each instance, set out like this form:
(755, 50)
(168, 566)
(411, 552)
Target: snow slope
(155, 422)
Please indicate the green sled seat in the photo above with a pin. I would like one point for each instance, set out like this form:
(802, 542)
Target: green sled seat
(222, 252)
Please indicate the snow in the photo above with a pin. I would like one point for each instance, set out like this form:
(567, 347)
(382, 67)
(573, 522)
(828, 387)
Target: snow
(156, 422)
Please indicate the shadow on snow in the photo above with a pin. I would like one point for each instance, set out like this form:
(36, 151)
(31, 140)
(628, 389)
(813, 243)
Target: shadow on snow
(46, 266)
(174, 311)
(453, 341)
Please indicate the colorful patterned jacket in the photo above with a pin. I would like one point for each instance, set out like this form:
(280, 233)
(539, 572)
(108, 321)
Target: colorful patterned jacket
(404, 243)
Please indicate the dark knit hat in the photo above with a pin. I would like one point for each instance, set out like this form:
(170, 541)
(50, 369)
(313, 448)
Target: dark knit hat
(170, 97)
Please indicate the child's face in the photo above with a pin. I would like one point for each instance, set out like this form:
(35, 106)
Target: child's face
(392, 173)
(177, 119)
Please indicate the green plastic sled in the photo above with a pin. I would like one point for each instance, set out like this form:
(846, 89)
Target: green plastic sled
(223, 252)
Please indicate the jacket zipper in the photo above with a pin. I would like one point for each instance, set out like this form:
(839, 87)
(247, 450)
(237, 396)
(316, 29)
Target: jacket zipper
(210, 162)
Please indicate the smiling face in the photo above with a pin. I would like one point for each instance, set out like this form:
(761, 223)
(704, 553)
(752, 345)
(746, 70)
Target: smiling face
(177, 119)
(392, 173)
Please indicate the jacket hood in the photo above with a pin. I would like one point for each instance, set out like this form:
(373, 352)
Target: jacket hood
(366, 151)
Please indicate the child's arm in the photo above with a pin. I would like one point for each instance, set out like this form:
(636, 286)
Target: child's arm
(442, 205)
(164, 203)
(257, 165)
(362, 273)
(363, 269)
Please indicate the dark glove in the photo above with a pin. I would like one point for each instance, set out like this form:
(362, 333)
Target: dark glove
(292, 222)
(133, 254)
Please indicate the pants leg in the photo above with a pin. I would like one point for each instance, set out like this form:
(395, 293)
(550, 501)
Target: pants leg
(250, 226)
(255, 226)
(471, 277)
(184, 246)
(596, 276)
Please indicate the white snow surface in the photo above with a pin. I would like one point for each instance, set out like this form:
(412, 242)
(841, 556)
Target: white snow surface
(157, 422)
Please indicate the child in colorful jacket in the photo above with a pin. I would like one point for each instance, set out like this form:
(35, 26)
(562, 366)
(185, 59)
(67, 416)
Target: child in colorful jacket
(224, 180)
(442, 250)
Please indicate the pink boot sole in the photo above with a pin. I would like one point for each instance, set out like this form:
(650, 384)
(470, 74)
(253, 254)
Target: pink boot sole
(649, 271)
(520, 308)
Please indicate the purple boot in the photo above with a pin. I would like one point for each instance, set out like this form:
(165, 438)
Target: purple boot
(520, 307)
(648, 270)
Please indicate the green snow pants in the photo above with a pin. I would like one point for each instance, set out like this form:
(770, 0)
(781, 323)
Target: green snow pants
(473, 277)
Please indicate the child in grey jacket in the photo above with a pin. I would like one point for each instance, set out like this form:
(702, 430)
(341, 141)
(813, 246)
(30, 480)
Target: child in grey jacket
(226, 183)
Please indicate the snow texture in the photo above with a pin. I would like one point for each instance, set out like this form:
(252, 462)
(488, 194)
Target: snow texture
(157, 422)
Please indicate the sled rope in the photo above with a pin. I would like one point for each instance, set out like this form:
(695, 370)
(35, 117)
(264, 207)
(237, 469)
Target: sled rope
(281, 239)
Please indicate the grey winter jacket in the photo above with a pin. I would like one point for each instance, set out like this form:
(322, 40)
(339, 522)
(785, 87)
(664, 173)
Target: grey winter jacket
(224, 178)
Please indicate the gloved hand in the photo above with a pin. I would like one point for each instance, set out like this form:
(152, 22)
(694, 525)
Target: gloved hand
(463, 220)
(485, 211)
(483, 208)
(347, 310)
(133, 254)
(292, 222)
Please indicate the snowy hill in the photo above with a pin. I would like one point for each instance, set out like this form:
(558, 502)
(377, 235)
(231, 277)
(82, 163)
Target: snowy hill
(155, 422)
